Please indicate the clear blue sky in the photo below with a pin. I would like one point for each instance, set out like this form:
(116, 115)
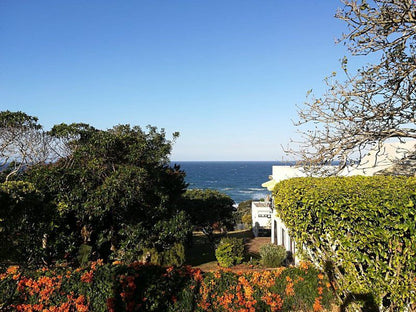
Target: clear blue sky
(226, 74)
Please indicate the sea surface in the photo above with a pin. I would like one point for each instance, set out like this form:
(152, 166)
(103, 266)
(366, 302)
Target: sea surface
(241, 180)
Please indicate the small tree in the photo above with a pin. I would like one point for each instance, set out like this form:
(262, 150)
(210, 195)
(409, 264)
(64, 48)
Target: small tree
(243, 209)
(208, 207)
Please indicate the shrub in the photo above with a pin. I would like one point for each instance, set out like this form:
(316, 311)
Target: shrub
(283, 289)
(361, 229)
(175, 256)
(230, 251)
(25, 221)
(247, 219)
(144, 287)
(152, 256)
(272, 256)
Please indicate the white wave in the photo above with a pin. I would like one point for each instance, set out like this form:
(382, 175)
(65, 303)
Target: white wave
(259, 195)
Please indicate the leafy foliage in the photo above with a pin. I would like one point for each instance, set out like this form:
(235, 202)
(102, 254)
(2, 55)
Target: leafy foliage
(362, 230)
(25, 221)
(208, 208)
(272, 256)
(243, 210)
(114, 189)
(284, 289)
(114, 287)
(230, 251)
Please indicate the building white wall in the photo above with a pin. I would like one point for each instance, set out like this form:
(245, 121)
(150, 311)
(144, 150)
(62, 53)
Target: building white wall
(261, 214)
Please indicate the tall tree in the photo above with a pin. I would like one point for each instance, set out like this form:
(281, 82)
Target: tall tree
(114, 187)
(374, 104)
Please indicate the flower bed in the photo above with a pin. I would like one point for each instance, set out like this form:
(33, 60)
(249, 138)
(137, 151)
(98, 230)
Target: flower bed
(140, 287)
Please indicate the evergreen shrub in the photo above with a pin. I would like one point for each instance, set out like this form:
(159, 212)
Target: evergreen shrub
(362, 230)
(230, 251)
(272, 256)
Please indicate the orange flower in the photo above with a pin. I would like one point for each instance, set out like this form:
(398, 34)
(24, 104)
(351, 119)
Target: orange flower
(320, 276)
(303, 265)
(317, 305)
(87, 277)
(12, 270)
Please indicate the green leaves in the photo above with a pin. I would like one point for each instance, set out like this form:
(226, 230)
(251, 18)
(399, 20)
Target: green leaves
(365, 226)
(113, 190)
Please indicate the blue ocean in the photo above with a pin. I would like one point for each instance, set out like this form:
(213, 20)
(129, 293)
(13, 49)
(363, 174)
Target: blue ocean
(241, 180)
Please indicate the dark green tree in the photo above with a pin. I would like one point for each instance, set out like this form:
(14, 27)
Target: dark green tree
(243, 209)
(208, 209)
(114, 188)
(25, 222)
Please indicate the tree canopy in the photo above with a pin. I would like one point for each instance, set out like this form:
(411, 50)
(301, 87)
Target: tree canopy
(378, 101)
(114, 185)
(84, 193)
(208, 209)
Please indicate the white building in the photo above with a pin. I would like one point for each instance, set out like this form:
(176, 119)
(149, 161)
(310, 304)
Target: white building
(376, 161)
(261, 215)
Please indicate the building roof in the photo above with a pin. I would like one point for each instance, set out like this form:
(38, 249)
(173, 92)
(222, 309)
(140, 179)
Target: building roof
(398, 158)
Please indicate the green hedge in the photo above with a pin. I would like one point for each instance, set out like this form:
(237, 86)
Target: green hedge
(362, 230)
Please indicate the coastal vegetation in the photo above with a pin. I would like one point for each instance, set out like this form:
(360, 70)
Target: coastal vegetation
(145, 287)
(360, 230)
(209, 210)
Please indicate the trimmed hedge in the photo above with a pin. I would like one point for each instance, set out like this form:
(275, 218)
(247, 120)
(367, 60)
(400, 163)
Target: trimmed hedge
(362, 230)
(138, 287)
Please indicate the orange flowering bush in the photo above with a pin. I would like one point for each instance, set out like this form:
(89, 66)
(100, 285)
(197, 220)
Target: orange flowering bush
(59, 290)
(283, 289)
(144, 287)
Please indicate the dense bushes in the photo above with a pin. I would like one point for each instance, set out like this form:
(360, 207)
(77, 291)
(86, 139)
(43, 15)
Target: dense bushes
(25, 222)
(362, 230)
(111, 195)
(104, 287)
(230, 251)
(272, 256)
(284, 289)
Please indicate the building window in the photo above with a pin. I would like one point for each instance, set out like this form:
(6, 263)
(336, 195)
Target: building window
(283, 237)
